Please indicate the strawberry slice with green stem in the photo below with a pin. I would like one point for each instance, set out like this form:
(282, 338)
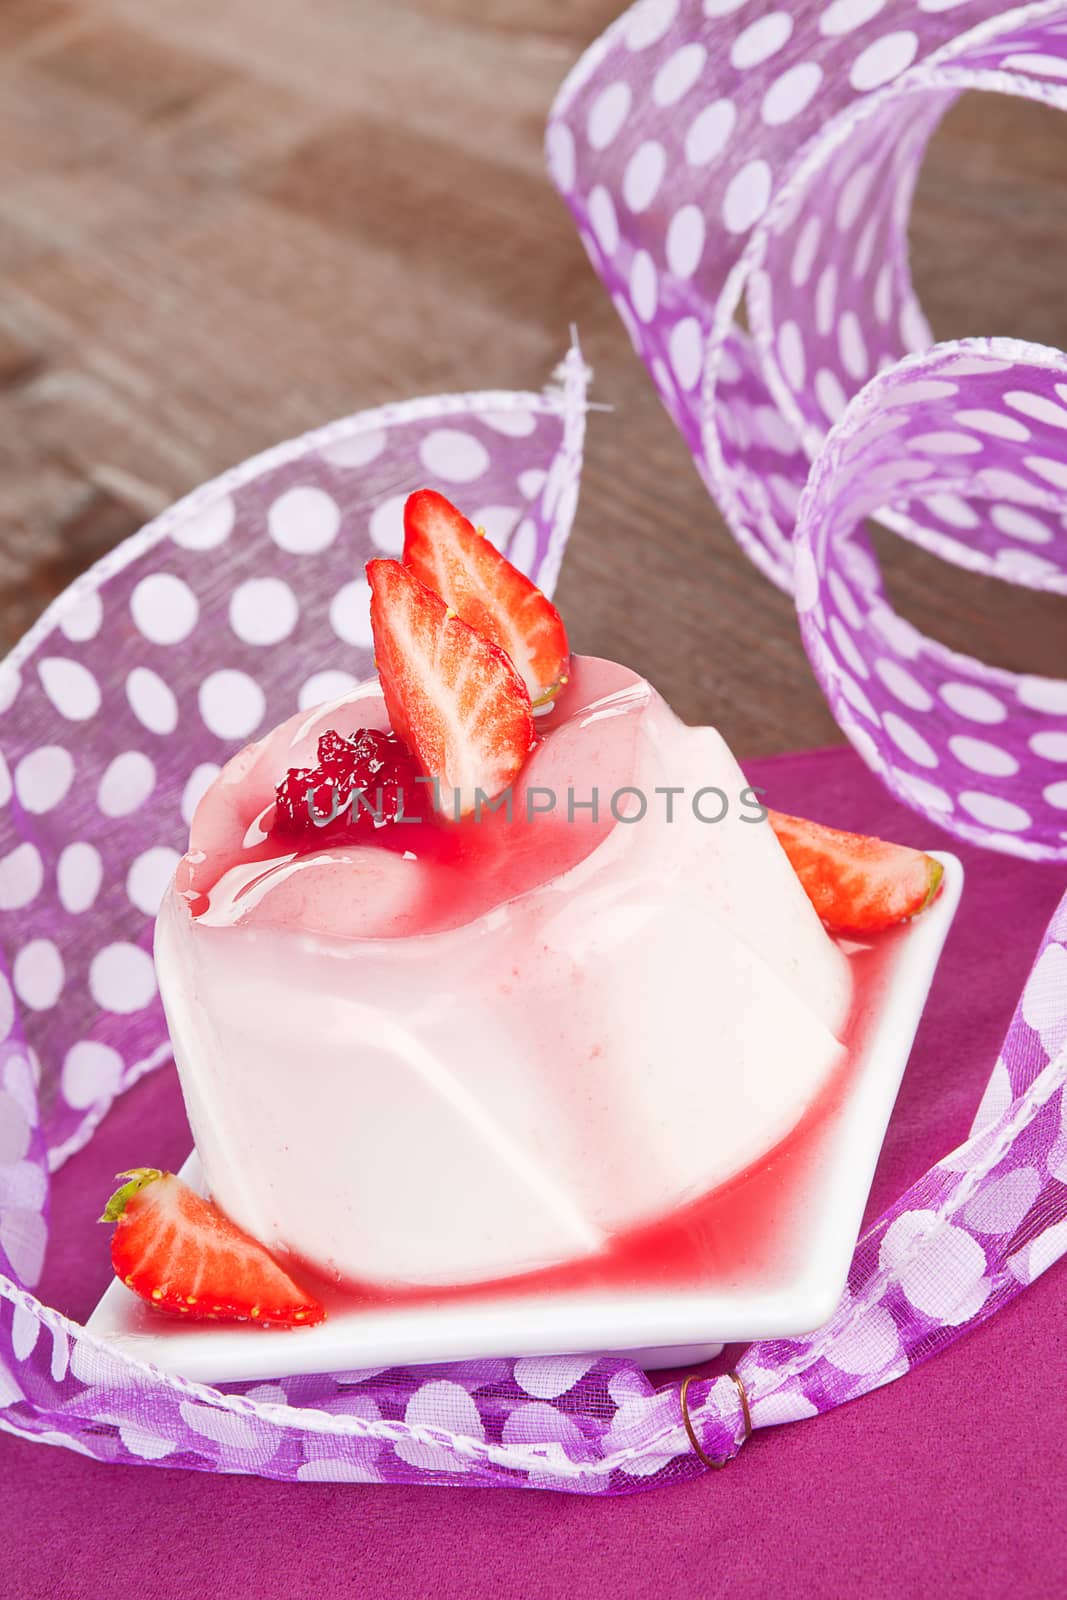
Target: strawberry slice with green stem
(449, 555)
(178, 1252)
(452, 696)
(857, 884)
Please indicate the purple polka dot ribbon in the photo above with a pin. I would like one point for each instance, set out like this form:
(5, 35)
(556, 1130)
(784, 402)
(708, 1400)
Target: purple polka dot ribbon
(121, 704)
(729, 152)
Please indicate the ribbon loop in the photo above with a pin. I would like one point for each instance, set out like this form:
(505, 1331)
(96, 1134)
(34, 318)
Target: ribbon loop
(707, 157)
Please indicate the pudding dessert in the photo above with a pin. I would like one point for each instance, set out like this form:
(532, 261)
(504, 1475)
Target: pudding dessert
(492, 959)
(476, 1056)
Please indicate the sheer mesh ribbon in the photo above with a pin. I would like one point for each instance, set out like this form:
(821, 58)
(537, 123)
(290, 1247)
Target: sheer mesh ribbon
(727, 151)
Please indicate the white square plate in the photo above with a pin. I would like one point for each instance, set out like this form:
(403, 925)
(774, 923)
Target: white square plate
(777, 1274)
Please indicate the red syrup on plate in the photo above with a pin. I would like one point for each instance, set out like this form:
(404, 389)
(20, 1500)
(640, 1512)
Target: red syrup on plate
(739, 1235)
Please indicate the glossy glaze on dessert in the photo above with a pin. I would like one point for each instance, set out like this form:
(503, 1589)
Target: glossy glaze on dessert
(503, 1046)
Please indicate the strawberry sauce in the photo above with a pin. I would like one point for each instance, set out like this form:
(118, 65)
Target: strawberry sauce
(740, 1235)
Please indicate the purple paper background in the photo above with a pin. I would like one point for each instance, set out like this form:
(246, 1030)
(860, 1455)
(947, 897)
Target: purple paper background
(951, 1482)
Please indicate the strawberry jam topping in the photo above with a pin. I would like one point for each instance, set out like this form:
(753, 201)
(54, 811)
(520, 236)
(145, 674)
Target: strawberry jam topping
(364, 784)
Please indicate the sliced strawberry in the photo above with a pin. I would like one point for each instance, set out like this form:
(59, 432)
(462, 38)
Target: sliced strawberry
(177, 1251)
(856, 883)
(452, 696)
(456, 560)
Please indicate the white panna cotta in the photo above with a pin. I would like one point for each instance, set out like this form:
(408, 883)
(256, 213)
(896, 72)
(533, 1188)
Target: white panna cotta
(438, 1066)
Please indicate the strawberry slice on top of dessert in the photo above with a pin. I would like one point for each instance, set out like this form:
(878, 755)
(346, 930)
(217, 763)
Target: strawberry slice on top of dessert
(451, 693)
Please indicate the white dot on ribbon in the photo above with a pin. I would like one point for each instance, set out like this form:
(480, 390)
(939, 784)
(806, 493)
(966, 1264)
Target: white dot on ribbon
(644, 288)
(231, 703)
(1020, 524)
(359, 449)
(92, 1072)
(644, 174)
(79, 874)
(607, 114)
(678, 74)
(304, 520)
(164, 608)
(791, 94)
(263, 611)
(761, 40)
(685, 241)
(122, 978)
(207, 528)
(152, 701)
(844, 16)
(981, 756)
(709, 132)
(43, 778)
(995, 812)
(747, 196)
(454, 455)
(71, 687)
(686, 349)
(884, 60)
(350, 614)
(648, 21)
(562, 159)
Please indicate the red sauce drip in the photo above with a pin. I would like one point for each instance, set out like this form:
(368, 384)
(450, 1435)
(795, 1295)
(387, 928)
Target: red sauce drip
(738, 1235)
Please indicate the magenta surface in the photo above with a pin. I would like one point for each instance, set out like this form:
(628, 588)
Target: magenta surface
(948, 1482)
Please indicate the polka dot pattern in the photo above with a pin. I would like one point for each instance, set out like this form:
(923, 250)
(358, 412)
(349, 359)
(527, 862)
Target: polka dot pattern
(92, 1073)
(643, 175)
(164, 608)
(974, 732)
(263, 611)
(80, 617)
(196, 785)
(696, 199)
(152, 700)
(607, 114)
(126, 783)
(235, 608)
(350, 613)
(37, 974)
(232, 704)
(21, 877)
(79, 874)
(304, 519)
(454, 455)
(322, 686)
(71, 687)
(148, 877)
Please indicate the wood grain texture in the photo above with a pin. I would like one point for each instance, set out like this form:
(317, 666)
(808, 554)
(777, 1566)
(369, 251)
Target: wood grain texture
(225, 221)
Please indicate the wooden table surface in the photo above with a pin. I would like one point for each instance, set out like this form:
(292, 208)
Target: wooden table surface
(225, 221)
